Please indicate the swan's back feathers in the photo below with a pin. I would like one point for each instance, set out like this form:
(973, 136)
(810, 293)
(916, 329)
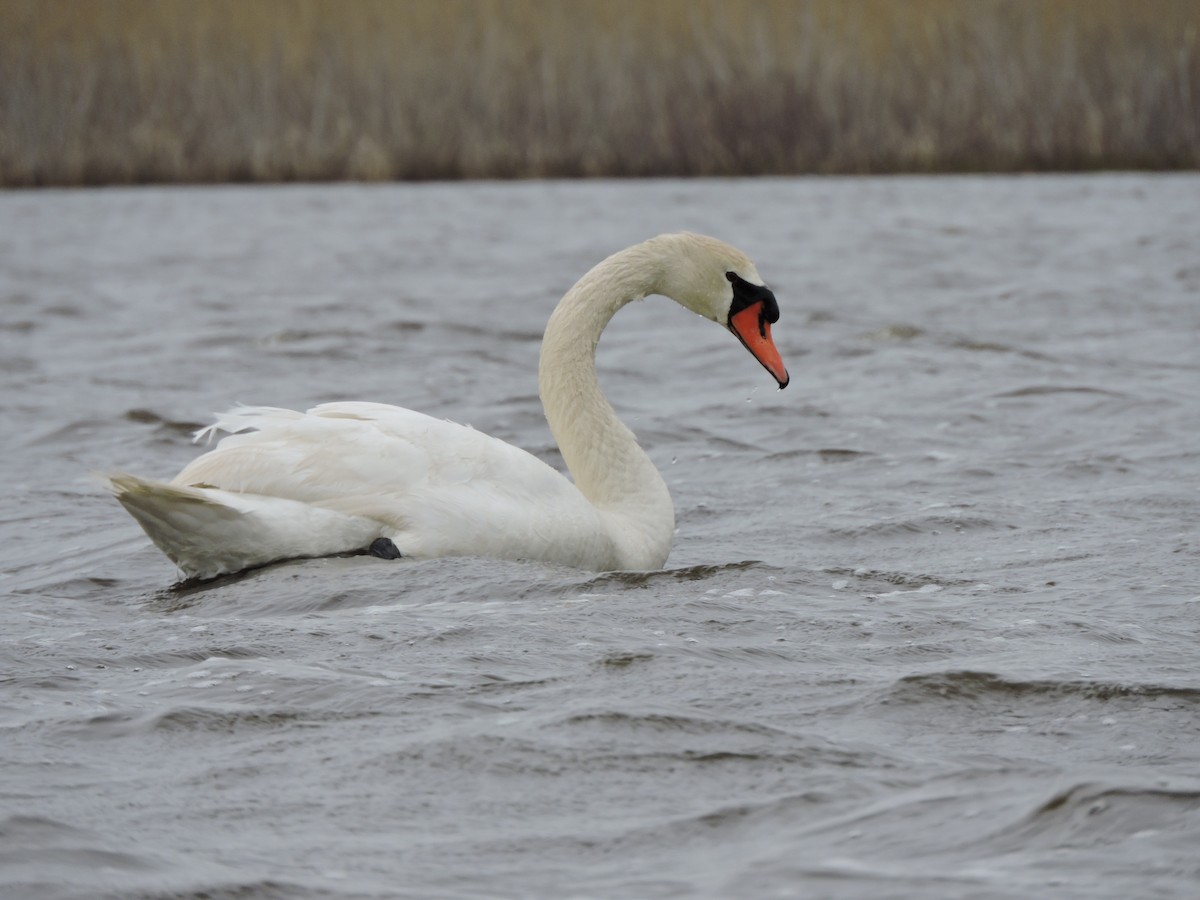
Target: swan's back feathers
(307, 457)
(337, 448)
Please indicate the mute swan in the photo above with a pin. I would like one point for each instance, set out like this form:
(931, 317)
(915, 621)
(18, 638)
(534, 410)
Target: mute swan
(347, 477)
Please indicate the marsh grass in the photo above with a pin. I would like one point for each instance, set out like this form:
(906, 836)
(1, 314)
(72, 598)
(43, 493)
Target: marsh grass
(125, 91)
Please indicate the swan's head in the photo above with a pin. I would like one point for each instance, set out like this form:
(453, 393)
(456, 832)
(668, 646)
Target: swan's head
(720, 283)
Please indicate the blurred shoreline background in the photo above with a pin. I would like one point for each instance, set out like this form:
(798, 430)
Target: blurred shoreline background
(133, 91)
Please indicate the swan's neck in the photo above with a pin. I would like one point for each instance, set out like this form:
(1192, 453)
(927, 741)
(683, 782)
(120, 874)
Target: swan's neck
(603, 456)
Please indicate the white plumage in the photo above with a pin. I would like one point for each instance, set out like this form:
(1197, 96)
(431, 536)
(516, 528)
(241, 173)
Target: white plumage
(334, 479)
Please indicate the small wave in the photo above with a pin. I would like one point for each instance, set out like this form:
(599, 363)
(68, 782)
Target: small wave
(85, 858)
(896, 332)
(184, 656)
(1038, 390)
(82, 587)
(824, 454)
(752, 654)
(736, 815)
(1098, 465)
(982, 346)
(407, 325)
(906, 580)
(687, 573)
(196, 718)
(1100, 814)
(924, 525)
(234, 889)
(625, 660)
(213, 720)
(624, 742)
(18, 365)
(32, 846)
(75, 433)
(303, 335)
(17, 827)
(670, 738)
(974, 346)
(41, 682)
(615, 721)
(460, 328)
(162, 423)
(968, 685)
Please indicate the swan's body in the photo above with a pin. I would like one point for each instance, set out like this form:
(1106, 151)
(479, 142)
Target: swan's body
(335, 479)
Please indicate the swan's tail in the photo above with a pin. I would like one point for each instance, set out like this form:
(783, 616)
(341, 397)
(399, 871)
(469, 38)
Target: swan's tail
(195, 530)
(208, 531)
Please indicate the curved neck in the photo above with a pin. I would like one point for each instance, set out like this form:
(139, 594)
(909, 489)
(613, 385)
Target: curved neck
(603, 456)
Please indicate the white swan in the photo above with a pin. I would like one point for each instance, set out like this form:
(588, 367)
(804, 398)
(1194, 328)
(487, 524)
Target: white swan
(345, 477)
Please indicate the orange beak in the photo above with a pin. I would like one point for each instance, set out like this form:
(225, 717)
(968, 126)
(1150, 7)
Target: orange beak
(754, 331)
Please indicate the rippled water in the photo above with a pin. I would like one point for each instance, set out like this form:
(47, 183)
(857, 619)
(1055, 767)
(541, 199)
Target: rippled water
(929, 628)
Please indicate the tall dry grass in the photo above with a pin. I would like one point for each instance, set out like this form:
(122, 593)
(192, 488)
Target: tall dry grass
(103, 91)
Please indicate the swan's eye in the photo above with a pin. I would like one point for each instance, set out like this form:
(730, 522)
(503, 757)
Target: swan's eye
(731, 277)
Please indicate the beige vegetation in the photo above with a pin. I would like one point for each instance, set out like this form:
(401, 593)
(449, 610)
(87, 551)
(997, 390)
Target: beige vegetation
(127, 91)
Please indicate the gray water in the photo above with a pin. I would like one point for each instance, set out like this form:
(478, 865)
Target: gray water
(929, 627)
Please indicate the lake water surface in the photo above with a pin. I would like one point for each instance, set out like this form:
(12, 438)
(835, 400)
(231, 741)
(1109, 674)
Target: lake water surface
(930, 626)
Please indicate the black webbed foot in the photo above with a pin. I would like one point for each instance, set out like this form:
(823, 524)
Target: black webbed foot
(383, 548)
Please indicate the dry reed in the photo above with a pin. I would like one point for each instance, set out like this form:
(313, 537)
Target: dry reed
(125, 91)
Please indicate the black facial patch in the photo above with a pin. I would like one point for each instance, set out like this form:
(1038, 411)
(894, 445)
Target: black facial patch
(747, 294)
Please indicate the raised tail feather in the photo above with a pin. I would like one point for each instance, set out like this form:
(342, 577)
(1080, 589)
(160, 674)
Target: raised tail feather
(208, 531)
(187, 524)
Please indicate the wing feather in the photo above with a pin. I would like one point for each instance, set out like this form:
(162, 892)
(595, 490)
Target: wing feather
(440, 487)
